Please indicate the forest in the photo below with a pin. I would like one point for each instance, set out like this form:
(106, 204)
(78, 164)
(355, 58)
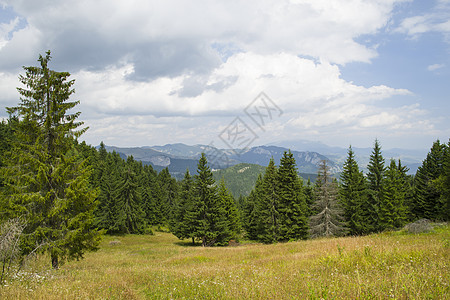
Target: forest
(63, 195)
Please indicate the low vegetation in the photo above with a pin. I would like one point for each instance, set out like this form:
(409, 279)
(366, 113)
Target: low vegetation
(397, 265)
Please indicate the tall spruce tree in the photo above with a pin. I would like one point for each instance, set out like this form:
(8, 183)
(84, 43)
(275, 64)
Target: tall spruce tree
(292, 203)
(268, 205)
(329, 221)
(231, 211)
(128, 206)
(185, 214)
(212, 228)
(47, 180)
(392, 204)
(427, 195)
(375, 179)
(353, 194)
(250, 210)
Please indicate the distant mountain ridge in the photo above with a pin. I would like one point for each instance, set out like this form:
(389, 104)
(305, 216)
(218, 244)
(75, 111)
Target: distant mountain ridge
(178, 157)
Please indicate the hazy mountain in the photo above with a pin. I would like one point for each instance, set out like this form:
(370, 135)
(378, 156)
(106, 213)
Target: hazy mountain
(412, 158)
(179, 157)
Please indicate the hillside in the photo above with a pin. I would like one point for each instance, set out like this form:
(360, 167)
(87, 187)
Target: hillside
(240, 179)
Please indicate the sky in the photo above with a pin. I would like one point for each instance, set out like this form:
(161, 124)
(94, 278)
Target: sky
(236, 74)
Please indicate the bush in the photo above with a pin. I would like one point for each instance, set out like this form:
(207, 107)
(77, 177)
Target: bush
(419, 226)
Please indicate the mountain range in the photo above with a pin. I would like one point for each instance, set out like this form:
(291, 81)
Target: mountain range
(179, 157)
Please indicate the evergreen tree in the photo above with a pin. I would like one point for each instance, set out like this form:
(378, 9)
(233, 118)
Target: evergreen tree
(168, 188)
(392, 209)
(353, 194)
(185, 215)
(250, 210)
(427, 196)
(310, 197)
(231, 211)
(150, 195)
(292, 208)
(129, 213)
(47, 179)
(375, 178)
(329, 219)
(267, 206)
(212, 226)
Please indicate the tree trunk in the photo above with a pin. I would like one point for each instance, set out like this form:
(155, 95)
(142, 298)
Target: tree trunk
(193, 241)
(55, 264)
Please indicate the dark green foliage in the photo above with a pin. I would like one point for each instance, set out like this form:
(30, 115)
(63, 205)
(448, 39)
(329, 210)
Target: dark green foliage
(329, 218)
(47, 177)
(392, 211)
(212, 226)
(129, 215)
(375, 178)
(168, 189)
(428, 201)
(185, 215)
(292, 202)
(231, 211)
(250, 216)
(310, 197)
(268, 206)
(353, 194)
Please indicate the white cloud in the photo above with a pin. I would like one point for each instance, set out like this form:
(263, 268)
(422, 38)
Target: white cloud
(435, 67)
(174, 37)
(436, 20)
(151, 72)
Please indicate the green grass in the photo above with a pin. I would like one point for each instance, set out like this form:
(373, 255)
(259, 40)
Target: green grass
(383, 266)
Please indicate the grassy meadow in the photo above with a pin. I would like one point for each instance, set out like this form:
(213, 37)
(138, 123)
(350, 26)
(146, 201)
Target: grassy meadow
(389, 265)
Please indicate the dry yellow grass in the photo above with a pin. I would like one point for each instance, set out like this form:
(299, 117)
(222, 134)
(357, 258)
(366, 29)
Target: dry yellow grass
(383, 266)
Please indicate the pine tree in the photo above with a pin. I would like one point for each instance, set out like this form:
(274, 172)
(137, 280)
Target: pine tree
(185, 214)
(392, 210)
(310, 197)
(47, 179)
(150, 194)
(129, 215)
(292, 209)
(168, 189)
(231, 211)
(212, 226)
(329, 219)
(353, 194)
(250, 210)
(268, 205)
(375, 178)
(427, 196)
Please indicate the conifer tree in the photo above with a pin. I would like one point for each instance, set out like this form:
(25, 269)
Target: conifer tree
(128, 207)
(47, 179)
(353, 194)
(150, 195)
(310, 197)
(292, 209)
(375, 178)
(231, 211)
(427, 196)
(250, 210)
(185, 214)
(329, 219)
(212, 226)
(268, 205)
(168, 189)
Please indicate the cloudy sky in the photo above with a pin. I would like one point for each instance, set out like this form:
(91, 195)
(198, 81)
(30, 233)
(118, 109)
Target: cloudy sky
(155, 72)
